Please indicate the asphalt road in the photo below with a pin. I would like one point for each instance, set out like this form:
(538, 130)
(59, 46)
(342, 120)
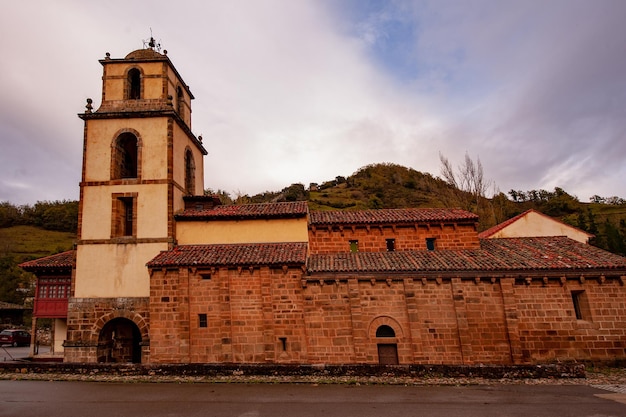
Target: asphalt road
(9, 353)
(95, 399)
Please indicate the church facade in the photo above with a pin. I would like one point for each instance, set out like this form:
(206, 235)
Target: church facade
(163, 274)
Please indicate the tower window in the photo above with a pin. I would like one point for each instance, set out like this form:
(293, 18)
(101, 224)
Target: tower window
(354, 246)
(180, 101)
(125, 157)
(124, 215)
(391, 245)
(134, 84)
(190, 173)
(430, 243)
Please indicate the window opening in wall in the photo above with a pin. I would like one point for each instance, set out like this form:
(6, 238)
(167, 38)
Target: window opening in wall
(128, 216)
(391, 245)
(205, 275)
(581, 305)
(180, 100)
(190, 173)
(124, 216)
(283, 342)
(125, 162)
(354, 246)
(385, 331)
(134, 84)
(430, 243)
(202, 320)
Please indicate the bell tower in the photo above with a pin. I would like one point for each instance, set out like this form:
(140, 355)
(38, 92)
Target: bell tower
(140, 158)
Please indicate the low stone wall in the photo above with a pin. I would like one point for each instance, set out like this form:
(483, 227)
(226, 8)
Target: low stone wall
(322, 371)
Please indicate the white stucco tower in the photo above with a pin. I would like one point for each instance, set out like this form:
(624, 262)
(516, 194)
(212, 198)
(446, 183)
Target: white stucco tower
(140, 158)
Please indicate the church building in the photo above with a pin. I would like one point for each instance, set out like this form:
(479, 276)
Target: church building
(164, 274)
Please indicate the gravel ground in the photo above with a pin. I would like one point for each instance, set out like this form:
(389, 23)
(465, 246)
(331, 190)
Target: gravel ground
(612, 379)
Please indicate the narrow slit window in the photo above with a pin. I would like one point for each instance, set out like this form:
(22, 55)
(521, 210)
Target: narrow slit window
(581, 305)
(190, 173)
(430, 243)
(128, 216)
(391, 245)
(354, 246)
(202, 320)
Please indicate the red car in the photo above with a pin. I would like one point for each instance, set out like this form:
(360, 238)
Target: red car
(14, 337)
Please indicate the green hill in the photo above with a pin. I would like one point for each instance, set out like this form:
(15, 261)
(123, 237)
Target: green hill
(22, 243)
(394, 186)
(29, 242)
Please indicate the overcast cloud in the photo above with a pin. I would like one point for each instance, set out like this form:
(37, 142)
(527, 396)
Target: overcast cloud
(302, 91)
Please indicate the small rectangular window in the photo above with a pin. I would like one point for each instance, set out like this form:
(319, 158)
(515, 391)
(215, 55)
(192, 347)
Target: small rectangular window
(128, 216)
(124, 215)
(581, 305)
(202, 320)
(430, 243)
(391, 245)
(354, 246)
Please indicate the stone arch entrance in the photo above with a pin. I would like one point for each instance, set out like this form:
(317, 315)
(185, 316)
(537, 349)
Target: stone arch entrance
(387, 349)
(386, 333)
(119, 342)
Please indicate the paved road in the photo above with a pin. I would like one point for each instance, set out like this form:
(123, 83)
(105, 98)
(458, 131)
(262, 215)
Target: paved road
(9, 353)
(95, 399)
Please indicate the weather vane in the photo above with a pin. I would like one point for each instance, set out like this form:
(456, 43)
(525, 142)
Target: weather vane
(151, 43)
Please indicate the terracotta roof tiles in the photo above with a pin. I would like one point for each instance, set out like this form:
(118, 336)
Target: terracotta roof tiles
(391, 216)
(509, 254)
(232, 255)
(60, 260)
(247, 211)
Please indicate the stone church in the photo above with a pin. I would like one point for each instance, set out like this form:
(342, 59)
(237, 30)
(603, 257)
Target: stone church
(163, 274)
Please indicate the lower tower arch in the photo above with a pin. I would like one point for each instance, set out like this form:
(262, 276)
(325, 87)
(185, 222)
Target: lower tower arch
(119, 341)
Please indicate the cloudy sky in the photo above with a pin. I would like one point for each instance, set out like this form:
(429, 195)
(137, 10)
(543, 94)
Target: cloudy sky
(302, 91)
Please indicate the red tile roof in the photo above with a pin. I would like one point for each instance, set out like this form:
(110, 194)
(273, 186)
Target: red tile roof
(60, 260)
(391, 216)
(509, 254)
(248, 211)
(232, 255)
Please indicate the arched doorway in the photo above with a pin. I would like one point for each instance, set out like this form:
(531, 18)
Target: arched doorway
(387, 350)
(119, 342)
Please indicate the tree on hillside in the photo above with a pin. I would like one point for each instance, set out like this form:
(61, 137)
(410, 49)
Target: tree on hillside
(15, 284)
(468, 179)
(469, 190)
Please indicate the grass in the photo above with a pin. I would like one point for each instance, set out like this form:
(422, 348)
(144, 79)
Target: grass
(30, 242)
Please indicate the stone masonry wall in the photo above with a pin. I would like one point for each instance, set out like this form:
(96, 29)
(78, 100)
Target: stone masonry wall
(549, 329)
(244, 315)
(407, 237)
(265, 315)
(86, 317)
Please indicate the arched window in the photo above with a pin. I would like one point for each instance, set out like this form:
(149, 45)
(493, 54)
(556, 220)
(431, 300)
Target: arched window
(134, 84)
(190, 173)
(180, 101)
(125, 157)
(385, 331)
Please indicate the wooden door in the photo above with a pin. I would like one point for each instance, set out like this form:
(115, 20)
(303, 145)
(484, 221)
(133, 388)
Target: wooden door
(388, 354)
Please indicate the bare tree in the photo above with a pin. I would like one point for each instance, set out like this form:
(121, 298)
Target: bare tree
(469, 186)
